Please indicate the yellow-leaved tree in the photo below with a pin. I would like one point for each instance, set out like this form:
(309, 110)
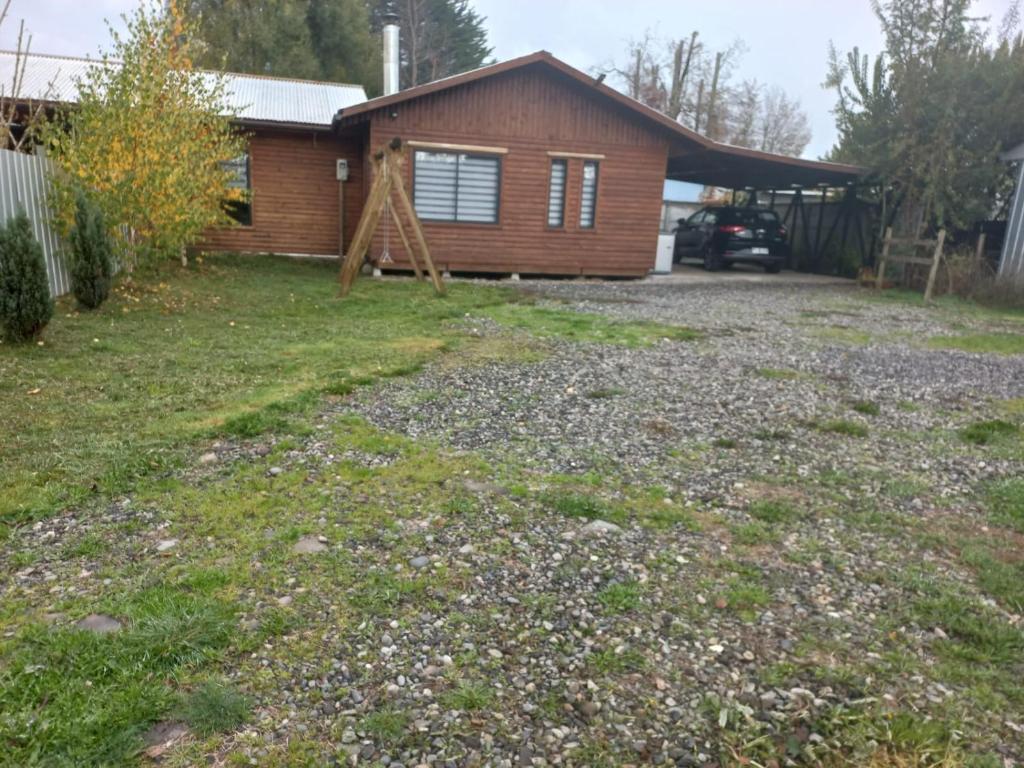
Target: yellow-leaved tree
(148, 140)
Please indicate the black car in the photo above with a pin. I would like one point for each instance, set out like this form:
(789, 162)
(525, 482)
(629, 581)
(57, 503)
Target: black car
(723, 235)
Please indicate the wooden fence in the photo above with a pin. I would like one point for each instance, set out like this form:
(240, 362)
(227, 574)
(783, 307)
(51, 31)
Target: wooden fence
(24, 181)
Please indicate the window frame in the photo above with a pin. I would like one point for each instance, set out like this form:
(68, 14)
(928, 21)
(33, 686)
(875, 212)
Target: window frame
(597, 183)
(564, 162)
(458, 153)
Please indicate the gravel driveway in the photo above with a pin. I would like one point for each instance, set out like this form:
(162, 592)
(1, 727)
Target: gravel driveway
(777, 543)
(796, 456)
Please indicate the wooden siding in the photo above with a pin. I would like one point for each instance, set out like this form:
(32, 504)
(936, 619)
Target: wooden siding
(295, 195)
(531, 113)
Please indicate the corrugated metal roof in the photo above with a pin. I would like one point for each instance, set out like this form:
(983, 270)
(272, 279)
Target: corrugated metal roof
(252, 97)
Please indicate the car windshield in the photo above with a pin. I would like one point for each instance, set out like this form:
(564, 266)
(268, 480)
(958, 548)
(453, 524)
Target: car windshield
(752, 217)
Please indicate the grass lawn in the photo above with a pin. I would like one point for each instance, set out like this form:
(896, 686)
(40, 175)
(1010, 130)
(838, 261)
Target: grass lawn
(233, 346)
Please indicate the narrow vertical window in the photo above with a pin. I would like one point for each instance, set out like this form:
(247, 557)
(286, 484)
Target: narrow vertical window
(556, 194)
(237, 201)
(588, 195)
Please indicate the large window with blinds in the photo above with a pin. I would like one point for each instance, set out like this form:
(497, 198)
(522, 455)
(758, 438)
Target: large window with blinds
(556, 193)
(588, 195)
(449, 186)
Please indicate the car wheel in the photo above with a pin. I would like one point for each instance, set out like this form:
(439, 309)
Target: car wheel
(773, 269)
(712, 261)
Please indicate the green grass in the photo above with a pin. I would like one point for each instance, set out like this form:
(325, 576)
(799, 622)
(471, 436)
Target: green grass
(611, 661)
(988, 432)
(1006, 503)
(214, 707)
(975, 633)
(866, 407)
(1000, 578)
(379, 594)
(386, 725)
(754, 533)
(547, 322)
(235, 346)
(843, 427)
(603, 393)
(468, 696)
(620, 597)
(773, 511)
(778, 373)
(71, 697)
(584, 505)
(989, 343)
(842, 334)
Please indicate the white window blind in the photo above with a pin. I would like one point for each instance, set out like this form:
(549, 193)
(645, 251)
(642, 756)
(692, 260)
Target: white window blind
(448, 186)
(556, 194)
(588, 195)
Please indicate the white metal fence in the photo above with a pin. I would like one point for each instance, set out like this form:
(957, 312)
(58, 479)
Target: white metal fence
(24, 181)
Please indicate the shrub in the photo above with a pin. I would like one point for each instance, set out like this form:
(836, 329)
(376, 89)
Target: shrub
(25, 303)
(91, 265)
(988, 432)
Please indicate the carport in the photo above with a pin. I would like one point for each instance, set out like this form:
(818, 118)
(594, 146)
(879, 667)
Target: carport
(768, 179)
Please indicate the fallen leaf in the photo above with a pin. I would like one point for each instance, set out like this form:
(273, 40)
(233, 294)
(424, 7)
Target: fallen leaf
(35, 391)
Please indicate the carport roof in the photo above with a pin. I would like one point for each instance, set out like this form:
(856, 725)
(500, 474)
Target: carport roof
(724, 165)
(692, 157)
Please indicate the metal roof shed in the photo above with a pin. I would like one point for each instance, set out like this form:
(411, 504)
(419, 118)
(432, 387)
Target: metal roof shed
(252, 98)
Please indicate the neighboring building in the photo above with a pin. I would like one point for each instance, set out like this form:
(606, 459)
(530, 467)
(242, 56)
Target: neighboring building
(1011, 261)
(527, 166)
(289, 169)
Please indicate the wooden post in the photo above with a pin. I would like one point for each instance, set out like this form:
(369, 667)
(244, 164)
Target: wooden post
(979, 252)
(886, 243)
(417, 230)
(408, 248)
(367, 224)
(341, 219)
(936, 257)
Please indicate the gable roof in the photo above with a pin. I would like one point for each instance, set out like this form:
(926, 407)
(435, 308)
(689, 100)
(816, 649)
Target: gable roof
(692, 156)
(253, 98)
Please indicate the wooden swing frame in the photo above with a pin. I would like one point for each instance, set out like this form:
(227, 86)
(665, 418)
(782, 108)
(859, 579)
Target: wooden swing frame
(387, 166)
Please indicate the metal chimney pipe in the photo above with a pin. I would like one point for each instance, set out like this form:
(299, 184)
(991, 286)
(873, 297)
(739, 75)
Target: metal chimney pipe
(390, 54)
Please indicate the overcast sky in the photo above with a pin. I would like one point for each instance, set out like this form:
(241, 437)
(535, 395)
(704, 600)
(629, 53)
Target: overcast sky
(787, 40)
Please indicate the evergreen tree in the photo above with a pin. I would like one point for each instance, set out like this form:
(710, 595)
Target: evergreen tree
(932, 112)
(312, 39)
(262, 37)
(345, 47)
(25, 303)
(438, 37)
(91, 258)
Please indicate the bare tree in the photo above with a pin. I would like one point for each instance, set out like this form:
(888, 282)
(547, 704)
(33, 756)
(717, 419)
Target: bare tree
(695, 87)
(746, 114)
(680, 73)
(783, 125)
(21, 115)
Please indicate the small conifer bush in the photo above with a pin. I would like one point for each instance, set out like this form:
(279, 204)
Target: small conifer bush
(91, 257)
(25, 303)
